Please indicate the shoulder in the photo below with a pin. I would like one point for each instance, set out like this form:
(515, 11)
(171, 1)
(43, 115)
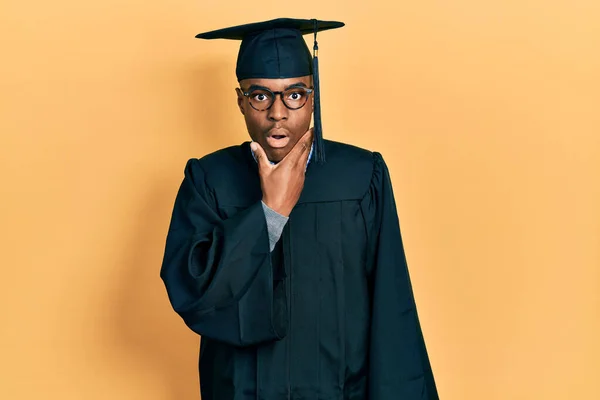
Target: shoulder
(230, 174)
(348, 159)
(219, 165)
(229, 156)
(338, 152)
(344, 152)
(346, 174)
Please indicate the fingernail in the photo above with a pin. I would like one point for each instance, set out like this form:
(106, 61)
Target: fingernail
(253, 146)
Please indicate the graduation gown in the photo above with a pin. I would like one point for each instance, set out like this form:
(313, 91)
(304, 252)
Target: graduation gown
(329, 314)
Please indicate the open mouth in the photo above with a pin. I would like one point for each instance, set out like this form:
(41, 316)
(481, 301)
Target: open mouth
(277, 141)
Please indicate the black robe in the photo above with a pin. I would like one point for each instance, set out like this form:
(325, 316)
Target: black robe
(328, 315)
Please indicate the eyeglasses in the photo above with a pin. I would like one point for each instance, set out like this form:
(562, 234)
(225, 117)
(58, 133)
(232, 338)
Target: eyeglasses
(262, 98)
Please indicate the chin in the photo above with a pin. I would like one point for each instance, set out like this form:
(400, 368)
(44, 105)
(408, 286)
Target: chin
(276, 155)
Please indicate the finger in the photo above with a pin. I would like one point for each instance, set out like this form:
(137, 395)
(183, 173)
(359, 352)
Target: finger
(302, 147)
(261, 156)
(308, 142)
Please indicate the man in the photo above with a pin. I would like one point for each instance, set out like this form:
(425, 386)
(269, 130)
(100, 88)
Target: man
(285, 254)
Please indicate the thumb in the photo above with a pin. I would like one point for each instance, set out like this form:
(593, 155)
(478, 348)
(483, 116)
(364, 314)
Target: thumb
(261, 156)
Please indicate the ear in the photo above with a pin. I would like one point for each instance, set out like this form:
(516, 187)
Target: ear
(240, 100)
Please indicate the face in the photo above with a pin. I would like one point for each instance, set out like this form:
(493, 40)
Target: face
(279, 128)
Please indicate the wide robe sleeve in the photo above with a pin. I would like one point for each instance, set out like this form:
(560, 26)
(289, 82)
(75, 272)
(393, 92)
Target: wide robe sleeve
(399, 367)
(220, 275)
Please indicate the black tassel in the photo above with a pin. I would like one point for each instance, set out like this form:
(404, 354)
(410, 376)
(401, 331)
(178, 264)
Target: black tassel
(318, 129)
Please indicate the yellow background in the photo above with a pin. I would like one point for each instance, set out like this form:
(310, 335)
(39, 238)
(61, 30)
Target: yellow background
(487, 112)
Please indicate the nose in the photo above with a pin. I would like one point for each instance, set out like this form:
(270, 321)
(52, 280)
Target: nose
(278, 110)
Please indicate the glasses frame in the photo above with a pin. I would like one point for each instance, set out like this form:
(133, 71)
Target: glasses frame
(274, 95)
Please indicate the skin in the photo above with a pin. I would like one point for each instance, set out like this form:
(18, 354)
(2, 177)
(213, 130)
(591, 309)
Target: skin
(278, 120)
(282, 136)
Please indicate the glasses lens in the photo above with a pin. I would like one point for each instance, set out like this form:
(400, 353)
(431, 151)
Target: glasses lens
(295, 97)
(260, 99)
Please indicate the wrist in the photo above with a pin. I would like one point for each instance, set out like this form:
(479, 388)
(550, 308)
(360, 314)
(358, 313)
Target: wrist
(278, 208)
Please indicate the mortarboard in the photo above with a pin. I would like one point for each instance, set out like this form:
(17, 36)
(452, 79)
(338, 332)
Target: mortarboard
(275, 49)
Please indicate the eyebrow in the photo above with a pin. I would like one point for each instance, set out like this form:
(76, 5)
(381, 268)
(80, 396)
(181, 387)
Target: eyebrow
(298, 84)
(258, 87)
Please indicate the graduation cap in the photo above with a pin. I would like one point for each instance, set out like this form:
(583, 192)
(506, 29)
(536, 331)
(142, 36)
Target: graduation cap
(275, 49)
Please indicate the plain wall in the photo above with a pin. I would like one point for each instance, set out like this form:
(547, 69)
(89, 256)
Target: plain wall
(487, 113)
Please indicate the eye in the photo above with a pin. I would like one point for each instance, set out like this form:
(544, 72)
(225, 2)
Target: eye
(260, 97)
(296, 95)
